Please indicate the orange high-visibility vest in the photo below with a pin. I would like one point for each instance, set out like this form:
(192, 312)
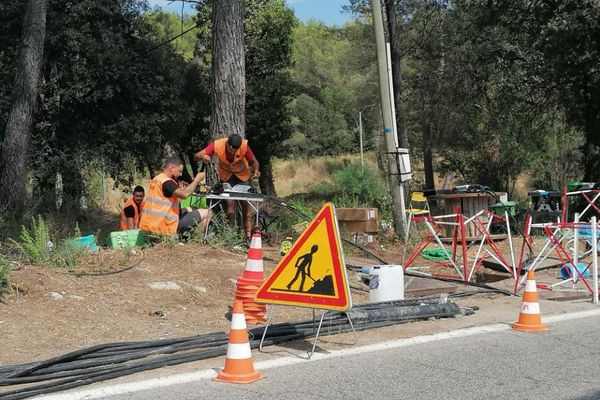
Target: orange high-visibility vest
(160, 214)
(136, 215)
(239, 166)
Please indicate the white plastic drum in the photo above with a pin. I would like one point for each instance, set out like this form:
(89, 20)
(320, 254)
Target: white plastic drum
(387, 283)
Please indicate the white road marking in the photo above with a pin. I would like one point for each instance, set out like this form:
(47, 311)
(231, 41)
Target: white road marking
(180, 379)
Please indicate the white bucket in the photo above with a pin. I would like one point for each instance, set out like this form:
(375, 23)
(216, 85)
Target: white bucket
(387, 283)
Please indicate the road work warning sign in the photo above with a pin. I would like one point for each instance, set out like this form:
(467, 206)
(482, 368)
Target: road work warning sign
(313, 272)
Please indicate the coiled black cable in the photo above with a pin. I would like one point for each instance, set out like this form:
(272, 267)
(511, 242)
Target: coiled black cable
(108, 361)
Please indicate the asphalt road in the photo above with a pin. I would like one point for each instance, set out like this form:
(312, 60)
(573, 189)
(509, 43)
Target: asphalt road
(501, 364)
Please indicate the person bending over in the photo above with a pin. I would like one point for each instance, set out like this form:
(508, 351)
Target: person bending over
(236, 165)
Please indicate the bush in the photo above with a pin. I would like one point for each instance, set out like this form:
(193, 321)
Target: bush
(354, 185)
(5, 268)
(39, 247)
(35, 243)
(222, 233)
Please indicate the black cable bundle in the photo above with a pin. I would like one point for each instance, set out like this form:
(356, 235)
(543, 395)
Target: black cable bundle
(112, 360)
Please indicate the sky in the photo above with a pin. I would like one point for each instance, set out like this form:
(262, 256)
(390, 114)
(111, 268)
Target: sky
(327, 11)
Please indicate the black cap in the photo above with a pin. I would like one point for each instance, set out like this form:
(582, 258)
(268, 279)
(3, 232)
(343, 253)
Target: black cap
(235, 141)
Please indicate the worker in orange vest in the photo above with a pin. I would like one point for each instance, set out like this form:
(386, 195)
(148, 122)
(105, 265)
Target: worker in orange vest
(235, 162)
(132, 209)
(161, 213)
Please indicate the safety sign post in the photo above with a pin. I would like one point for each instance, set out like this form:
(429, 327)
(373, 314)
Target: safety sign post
(313, 273)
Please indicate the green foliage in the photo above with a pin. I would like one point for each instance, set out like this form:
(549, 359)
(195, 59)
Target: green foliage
(303, 207)
(223, 233)
(559, 159)
(40, 247)
(354, 185)
(167, 25)
(335, 78)
(5, 268)
(36, 242)
(291, 223)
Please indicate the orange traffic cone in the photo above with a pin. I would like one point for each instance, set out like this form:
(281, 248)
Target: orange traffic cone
(530, 319)
(252, 277)
(254, 263)
(238, 364)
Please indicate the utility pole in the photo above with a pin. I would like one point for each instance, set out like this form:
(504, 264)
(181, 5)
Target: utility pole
(388, 125)
(360, 135)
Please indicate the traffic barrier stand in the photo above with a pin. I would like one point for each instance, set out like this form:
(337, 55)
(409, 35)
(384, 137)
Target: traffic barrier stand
(239, 367)
(479, 227)
(530, 319)
(251, 279)
(562, 241)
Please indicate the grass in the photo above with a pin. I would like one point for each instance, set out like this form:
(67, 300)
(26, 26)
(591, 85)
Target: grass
(221, 233)
(297, 175)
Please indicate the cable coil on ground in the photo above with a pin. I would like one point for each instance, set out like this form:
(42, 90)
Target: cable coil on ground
(108, 361)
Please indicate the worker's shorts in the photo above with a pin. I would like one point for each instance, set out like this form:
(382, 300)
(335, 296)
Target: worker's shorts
(234, 180)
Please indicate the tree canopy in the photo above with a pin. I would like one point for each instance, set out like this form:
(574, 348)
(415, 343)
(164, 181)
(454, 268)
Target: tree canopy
(490, 90)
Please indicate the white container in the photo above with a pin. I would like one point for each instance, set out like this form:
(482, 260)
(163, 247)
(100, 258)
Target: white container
(387, 283)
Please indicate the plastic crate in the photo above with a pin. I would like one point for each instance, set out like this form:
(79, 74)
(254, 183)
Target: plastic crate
(127, 239)
(573, 186)
(499, 208)
(87, 242)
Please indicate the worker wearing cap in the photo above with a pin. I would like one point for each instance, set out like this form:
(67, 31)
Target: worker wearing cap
(236, 165)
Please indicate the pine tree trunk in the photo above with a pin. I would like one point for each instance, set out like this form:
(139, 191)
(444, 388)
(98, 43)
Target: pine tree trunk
(427, 145)
(267, 185)
(228, 70)
(20, 122)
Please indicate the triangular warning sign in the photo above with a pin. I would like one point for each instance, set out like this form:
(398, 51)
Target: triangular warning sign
(313, 273)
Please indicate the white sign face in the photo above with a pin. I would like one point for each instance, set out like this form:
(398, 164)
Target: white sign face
(403, 160)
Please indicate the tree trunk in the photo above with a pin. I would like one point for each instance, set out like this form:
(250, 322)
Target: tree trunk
(394, 37)
(186, 174)
(193, 163)
(20, 123)
(267, 185)
(427, 153)
(591, 161)
(228, 70)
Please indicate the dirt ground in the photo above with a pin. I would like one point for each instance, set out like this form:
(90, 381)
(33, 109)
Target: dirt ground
(49, 312)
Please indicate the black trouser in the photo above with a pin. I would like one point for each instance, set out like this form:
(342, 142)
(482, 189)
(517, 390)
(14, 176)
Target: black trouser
(188, 220)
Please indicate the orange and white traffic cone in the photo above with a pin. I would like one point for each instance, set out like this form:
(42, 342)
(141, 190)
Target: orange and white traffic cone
(253, 272)
(238, 363)
(252, 278)
(530, 318)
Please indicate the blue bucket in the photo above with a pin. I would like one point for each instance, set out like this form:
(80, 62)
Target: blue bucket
(568, 267)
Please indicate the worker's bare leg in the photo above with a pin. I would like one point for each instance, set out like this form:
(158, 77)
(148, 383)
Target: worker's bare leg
(247, 214)
(204, 213)
(230, 210)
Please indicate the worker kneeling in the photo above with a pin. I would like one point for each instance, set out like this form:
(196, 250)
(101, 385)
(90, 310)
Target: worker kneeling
(162, 214)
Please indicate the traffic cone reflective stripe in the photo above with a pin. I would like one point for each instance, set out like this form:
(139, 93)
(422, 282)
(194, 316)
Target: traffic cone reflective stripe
(254, 263)
(238, 362)
(530, 285)
(530, 318)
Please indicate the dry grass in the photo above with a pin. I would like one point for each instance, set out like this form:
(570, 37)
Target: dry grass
(296, 175)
